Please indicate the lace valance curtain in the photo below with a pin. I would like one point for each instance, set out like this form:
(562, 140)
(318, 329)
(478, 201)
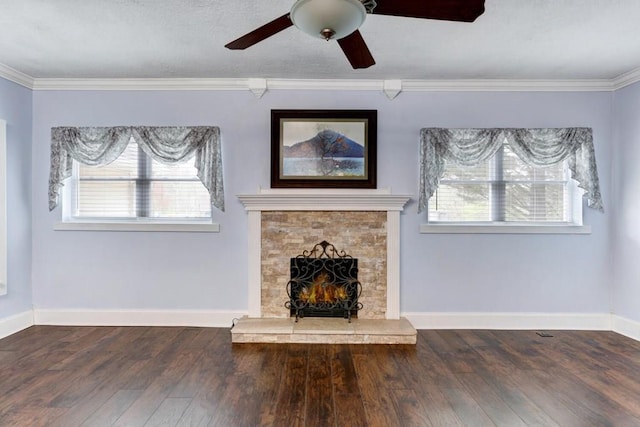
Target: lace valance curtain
(536, 147)
(95, 146)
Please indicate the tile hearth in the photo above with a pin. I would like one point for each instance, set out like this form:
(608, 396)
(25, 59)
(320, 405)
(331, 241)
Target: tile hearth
(318, 330)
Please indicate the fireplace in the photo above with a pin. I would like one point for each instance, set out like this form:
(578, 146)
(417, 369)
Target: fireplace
(324, 283)
(286, 222)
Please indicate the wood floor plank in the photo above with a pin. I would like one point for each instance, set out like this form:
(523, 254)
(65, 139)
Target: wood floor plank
(386, 358)
(94, 340)
(29, 417)
(197, 414)
(208, 400)
(567, 384)
(349, 407)
(92, 401)
(547, 400)
(158, 347)
(495, 358)
(497, 372)
(378, 404)
(158, 390)
(290, 408)
(169, 412)
(269, 383)
(417, 377)
(238, 403)
(492, 404)
(320, 393)
(34, 338)
(592, 353)
(8, 356)
(574, 395)
(435, 369)
(620, 390)
(459, 357)
(467, 409)
(128, 338)
(525, 349)
(112, 409)
(8, 342)
(34, 393)
(148, 346)
(515, 395)
(184, 376)
(83, 380)
(345, 379)
(411, 409)
(207, 337)
(585, 385)
(29, 368)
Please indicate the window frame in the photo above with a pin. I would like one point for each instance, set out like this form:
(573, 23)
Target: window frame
(498, 225)
(69, 222)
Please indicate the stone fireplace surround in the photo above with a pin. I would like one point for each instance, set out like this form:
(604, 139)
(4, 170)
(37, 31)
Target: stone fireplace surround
(284, 223)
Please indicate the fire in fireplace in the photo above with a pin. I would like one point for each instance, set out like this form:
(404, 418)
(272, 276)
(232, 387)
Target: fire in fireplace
(324, 283)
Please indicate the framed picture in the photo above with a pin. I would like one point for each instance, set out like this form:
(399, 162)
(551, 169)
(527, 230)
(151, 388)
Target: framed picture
(323, 148)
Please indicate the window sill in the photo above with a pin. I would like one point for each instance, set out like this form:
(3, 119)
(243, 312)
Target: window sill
(503, 229)
(183, 227)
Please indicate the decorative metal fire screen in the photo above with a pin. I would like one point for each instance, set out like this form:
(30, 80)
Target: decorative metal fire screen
(324, 283)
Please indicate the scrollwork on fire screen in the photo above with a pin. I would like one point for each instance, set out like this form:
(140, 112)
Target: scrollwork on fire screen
(324, 283)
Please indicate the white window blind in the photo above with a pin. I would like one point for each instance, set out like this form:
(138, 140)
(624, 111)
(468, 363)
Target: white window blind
(504, 189)
(136, 187)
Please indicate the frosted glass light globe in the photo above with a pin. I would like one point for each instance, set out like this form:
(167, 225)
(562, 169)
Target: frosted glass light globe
(328, 19)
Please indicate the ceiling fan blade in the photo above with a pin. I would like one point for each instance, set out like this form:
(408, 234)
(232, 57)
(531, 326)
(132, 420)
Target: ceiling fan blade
(259, 34)
(356, 50)
(447, 10)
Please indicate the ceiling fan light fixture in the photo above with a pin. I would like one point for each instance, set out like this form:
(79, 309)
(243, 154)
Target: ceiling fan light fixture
(328, 19)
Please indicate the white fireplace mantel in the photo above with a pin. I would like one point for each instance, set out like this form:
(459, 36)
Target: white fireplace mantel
(324, 200)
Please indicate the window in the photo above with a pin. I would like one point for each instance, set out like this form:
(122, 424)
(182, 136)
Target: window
(136, 187)
(505, 190)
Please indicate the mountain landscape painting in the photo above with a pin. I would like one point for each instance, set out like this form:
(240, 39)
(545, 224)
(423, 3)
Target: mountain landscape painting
(328, 153)
(323, 148)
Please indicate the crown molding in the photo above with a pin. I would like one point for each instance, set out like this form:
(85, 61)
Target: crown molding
(259, 86)
(390, 87)
(504, 85)
(16, 76)
(325, 84)
(141, 84)
(626, 79)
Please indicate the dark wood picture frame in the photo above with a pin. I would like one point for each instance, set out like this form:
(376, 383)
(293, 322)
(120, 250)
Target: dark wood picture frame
(323, 148)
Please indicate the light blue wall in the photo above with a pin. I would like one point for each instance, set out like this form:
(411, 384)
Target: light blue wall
(15, 109)
(439, 273)
(626, 196)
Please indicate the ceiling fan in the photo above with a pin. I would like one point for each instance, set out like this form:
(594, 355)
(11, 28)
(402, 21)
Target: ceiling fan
(340, 19)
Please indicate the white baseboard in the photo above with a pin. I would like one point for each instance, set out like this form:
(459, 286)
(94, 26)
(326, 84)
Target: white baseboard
(16, 323)
(627, 327)
(223, 319)
(525, 321)
(75, 317)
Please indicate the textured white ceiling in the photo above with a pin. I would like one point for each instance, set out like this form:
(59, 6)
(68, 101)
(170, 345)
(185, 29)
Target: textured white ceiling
(513, 39)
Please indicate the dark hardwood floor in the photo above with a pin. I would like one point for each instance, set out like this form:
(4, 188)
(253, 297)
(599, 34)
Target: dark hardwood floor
(141, 376)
